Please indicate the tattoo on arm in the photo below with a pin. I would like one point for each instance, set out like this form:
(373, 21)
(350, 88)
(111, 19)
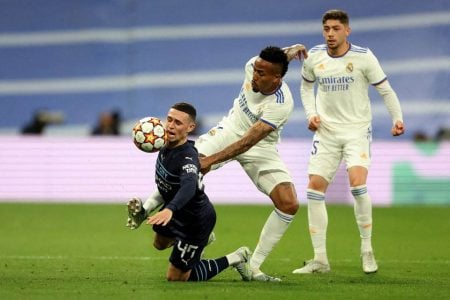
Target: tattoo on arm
(256, 133)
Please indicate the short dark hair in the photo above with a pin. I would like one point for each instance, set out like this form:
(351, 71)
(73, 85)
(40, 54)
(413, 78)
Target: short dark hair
(187, 108)
(336, 14)
(277, 56)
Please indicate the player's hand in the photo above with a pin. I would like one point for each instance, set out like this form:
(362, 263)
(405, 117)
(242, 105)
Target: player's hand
(161, 218)
(297, 51)
(314, 123)
(398, 128)
(205, 165)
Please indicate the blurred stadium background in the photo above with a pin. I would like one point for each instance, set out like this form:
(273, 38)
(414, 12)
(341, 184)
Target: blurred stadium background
(79, 59)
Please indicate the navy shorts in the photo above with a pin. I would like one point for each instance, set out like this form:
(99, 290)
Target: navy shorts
(185, 256)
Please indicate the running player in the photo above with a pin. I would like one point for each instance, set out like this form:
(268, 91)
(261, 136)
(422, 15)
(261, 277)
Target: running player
(187, 218)
(340, 116)
(249, 135)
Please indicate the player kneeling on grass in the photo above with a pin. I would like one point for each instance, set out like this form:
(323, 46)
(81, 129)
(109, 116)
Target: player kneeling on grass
(187, 217)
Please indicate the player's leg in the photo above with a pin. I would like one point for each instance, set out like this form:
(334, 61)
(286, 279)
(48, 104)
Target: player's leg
(266, 169)
(286, 205)
(162, 242)
(186, 264)
(363, 216)
(318, 223)
(138, 211)
(324, 161)
(357, 157)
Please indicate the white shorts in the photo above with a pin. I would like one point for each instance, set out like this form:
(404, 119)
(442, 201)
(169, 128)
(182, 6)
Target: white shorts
(329, 148)
(262, 163)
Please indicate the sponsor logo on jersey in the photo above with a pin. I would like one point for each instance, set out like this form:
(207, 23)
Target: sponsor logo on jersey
(243, 105)
(163, 185)
(335, 83)
(190, 168)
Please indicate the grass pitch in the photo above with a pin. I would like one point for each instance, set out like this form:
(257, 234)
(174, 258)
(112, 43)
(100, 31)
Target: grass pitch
(56, 251)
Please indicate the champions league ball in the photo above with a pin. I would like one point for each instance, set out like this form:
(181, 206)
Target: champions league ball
(149, 134)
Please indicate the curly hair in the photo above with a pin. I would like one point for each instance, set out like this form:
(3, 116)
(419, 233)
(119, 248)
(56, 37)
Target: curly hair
(276, 56)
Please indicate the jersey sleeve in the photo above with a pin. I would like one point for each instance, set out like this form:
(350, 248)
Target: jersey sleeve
(307, 69)
(189, 171)
(374, 73)
(277, 112)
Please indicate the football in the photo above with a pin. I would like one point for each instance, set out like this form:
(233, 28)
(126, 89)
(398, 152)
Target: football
(149, 134)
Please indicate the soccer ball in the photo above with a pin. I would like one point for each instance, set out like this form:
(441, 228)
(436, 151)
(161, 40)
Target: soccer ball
(149, 134)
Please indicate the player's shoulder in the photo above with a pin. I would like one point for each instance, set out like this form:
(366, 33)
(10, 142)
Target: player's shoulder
(316, 53)
(189, 151)
(283, 94)
(358, 50)
(317, 49)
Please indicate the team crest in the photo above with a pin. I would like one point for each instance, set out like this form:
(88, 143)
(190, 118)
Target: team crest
(349, 68)
(212, 132)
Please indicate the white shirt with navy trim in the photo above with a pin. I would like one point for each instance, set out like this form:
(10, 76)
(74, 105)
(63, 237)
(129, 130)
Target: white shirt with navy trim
(342, 84)
(249, 107)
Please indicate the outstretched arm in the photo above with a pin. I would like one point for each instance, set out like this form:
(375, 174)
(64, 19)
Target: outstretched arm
(297, 51)
(257, 132)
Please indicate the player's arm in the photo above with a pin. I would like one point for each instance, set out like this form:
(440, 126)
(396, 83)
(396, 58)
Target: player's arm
(393, 105)
(308, 101)
(297, 51)
(188, 188)
(256, 133)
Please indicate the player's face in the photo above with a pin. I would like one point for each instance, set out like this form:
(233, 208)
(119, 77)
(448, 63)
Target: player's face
(266, 77)
(178, 126)
(335, 34)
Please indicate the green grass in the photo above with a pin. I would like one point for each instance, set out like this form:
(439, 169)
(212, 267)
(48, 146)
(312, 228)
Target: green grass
(84, 251)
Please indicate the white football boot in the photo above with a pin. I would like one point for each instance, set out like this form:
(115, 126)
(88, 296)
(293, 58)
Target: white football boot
(313, 266)
(136, 213)
(369, 264)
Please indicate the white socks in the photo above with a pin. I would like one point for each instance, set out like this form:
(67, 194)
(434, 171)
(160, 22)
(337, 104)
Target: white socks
(363, 215)
(274, 228)
(233, 258)
(152, 202)
(318, 222)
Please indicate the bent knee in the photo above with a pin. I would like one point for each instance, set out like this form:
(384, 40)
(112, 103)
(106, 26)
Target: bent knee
(159, 246)
(290, 208)
(175, 278)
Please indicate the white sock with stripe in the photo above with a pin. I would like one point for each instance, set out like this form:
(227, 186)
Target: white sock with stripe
(276, 225)
(363, 215)
(318, 223)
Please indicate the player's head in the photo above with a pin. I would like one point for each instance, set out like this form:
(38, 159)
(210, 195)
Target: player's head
(269, 69)
(336, 29)
(180, 122)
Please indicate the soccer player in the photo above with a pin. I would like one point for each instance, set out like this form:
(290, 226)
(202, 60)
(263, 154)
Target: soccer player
(187, 218)
(249, 135)
(340, 116)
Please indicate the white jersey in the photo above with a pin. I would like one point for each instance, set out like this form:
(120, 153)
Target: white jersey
(249, 107)
(342, 98)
